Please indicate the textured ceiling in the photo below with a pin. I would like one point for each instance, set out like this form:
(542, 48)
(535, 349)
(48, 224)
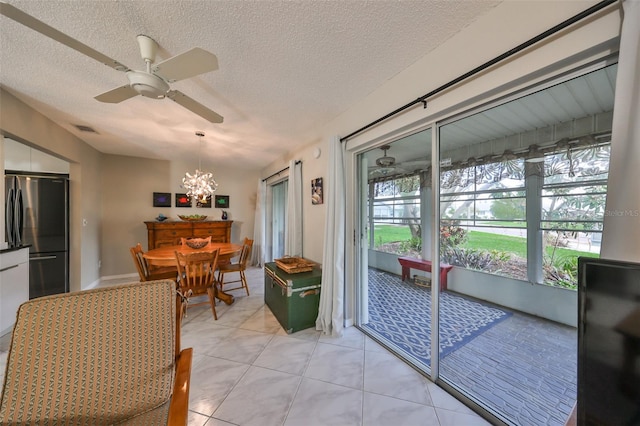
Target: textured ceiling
(286, 68)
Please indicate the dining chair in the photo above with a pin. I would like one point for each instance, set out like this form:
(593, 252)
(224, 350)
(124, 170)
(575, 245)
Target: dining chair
(150, 274)
(238, 267)
(197, 276)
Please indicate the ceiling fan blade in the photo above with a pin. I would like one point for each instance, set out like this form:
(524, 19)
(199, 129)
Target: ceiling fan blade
(185, 65)
(194, 106)
(117, 95)
(29, 21)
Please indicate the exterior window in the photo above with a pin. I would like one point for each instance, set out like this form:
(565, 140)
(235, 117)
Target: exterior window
(483, 217)
(573, 202)
(491, 195)
(396, 216)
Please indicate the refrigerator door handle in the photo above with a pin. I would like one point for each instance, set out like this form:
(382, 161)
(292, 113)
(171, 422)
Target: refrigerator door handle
(43, 258)
(9, 209)
(19, 217)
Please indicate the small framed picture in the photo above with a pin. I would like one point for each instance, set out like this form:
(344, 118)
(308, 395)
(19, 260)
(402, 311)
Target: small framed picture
(183, 200)
(316, 191)
(222, 201)
(204, 204)
(161, 199)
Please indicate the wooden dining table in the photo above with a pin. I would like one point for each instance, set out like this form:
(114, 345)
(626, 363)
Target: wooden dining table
(166, 256)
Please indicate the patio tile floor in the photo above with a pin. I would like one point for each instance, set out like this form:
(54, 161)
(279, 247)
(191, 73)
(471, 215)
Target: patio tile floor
(524, 368)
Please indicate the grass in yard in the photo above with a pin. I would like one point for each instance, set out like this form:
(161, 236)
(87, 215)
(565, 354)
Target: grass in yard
(489, 241)
(517, 245)
(390, 234)
(478, 240)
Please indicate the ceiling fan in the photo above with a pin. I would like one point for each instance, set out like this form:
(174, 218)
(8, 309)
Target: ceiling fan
(387, 165)
(152, 82)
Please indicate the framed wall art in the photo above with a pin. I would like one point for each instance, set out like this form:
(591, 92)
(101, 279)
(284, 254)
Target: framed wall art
(204, 204)
(183, 200)
(161, 199)
(222, 201)
(316, 191)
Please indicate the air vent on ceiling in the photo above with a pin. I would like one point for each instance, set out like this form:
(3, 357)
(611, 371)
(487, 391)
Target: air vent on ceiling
(85, 128)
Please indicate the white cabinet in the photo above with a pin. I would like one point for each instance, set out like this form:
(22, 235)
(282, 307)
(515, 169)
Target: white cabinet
(20, 157)
(14, 285)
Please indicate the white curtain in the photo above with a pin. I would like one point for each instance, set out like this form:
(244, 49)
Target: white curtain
(331, 310)
(293, 231)
(257, 254)
(621, 231)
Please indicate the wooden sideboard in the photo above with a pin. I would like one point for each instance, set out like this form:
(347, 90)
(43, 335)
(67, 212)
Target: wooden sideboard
(169, 233)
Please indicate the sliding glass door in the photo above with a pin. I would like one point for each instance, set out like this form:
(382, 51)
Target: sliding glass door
(276, 219)
(515, 215)
(394, 193)
(519, 195)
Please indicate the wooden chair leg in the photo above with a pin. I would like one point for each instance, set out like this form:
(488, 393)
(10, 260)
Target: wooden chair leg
(220, 279)
(244, 282)
(212, 300)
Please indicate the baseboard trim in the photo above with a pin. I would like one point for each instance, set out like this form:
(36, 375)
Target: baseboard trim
(96, 283)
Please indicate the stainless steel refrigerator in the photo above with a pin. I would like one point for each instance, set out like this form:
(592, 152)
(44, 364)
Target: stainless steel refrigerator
(37, 214)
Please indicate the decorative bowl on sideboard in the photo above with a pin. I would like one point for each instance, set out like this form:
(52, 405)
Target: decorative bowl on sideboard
(192, 217)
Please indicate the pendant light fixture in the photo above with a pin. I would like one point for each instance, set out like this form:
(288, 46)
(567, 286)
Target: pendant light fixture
(200, 185)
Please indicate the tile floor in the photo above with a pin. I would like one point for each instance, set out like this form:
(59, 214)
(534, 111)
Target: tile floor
(247, 371)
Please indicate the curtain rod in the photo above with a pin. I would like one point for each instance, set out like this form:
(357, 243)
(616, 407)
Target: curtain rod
(279, 171)
(423, 99)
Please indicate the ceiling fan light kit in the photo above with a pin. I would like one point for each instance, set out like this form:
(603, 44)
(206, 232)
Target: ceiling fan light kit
(385, 161)
(148, 85)
(387, 166)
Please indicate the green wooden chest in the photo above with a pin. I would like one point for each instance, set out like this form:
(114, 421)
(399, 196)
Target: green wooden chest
(293, 298)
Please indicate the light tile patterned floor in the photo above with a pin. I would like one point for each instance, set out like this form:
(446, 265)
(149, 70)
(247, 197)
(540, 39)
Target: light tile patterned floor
(248, 371)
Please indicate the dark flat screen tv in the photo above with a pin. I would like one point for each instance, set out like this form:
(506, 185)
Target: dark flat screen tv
(608, 342)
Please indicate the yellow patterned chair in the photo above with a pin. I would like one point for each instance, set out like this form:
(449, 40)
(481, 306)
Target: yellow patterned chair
(99, 357)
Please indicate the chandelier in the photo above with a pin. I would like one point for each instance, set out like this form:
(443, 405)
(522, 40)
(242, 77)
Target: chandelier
(199, 185)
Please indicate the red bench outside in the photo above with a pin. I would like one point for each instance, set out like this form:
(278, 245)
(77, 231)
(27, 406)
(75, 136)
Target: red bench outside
(424, 265)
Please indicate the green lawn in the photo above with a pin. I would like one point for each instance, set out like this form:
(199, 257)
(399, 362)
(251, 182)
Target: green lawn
(389, 234)
(477, 240)
(488, 241)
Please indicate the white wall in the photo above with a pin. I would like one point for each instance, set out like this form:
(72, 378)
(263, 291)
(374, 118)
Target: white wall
(128, 184)
(553, 303)
(241, 187)
(313, 214)
(112, 194)
(22, 123)
(504, 27)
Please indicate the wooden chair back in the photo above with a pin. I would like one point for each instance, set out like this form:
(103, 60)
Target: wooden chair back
(196, 271)
(246, 253)
(239, 267)
(139, 261)
(145, 272)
